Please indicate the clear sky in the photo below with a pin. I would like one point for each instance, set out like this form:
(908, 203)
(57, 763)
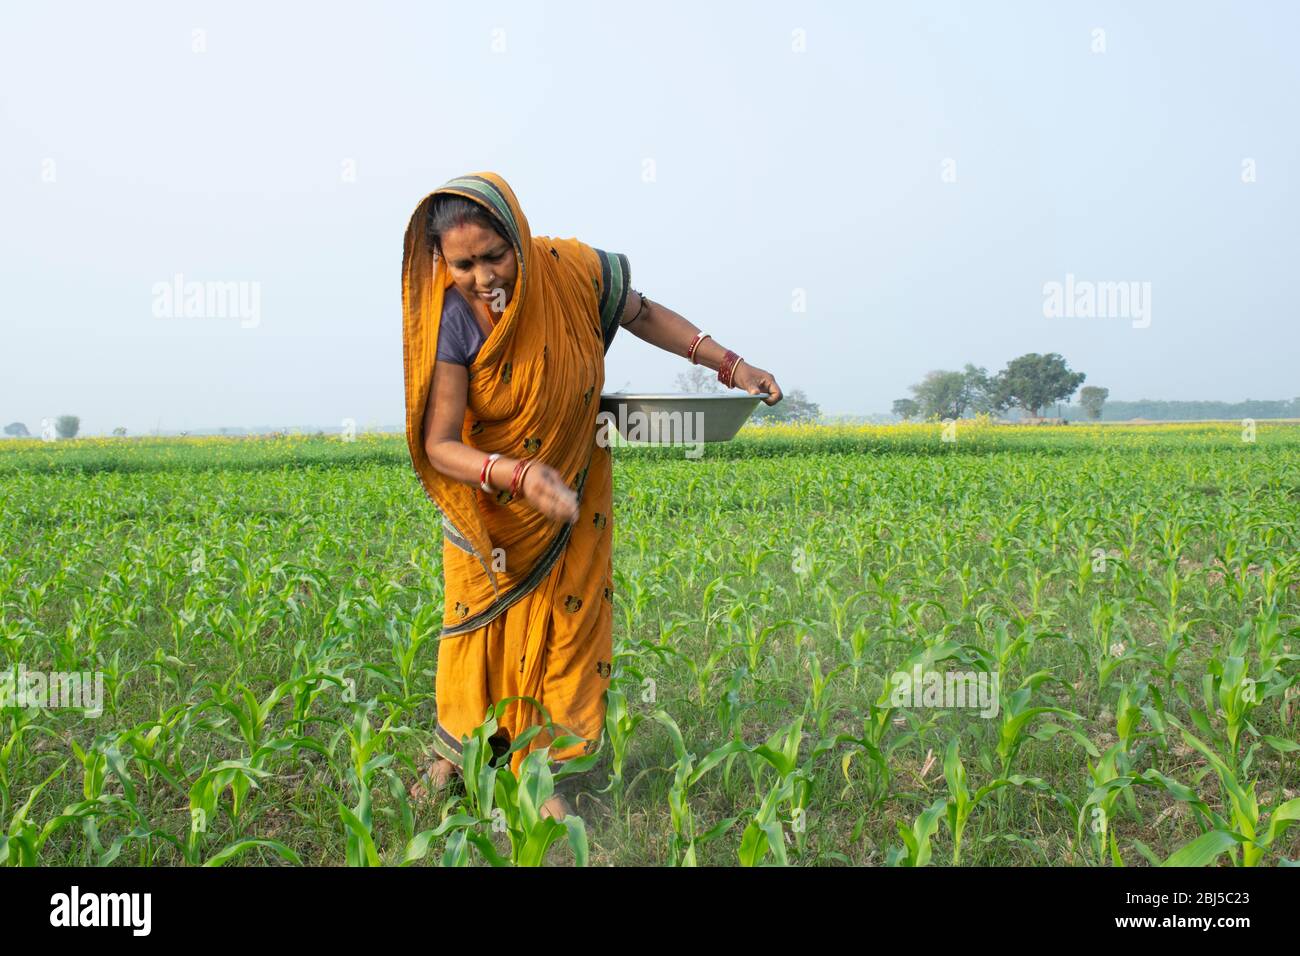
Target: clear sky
(919, 170)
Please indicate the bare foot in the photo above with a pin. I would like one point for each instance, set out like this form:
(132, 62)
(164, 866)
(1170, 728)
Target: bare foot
(434, 781)
(556, 807)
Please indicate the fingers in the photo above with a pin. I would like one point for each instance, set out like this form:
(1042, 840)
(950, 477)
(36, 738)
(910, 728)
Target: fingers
(558, 501)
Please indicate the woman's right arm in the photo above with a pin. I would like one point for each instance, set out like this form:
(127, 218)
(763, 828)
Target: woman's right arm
(444, 415)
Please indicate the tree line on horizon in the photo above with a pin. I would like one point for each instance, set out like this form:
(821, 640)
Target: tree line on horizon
(1158, 410)
(1028, 383)
(65, 426)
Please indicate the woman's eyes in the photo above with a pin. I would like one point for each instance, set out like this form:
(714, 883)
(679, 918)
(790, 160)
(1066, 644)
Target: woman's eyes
(464, 266)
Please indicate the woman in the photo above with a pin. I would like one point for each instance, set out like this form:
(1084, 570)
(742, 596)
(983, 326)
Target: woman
(501, 424)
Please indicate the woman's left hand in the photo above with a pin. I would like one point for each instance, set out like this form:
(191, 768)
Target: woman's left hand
(755, 380)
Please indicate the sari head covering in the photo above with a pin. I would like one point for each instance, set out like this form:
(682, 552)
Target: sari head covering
(534, 392)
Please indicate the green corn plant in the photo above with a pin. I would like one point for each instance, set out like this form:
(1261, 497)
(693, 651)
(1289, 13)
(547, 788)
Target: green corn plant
(793, 784)
(1244, 826)
(1005, 650)
(22, 721)
(818, 705)
(684, 841)
(406, 644)
(24, 842)
(915, 614)
(495, 798)
(765, 833)
(916, 850)
(732, 704)
(1235, 559)
(961, 803)
(520, 801)
(1231, 695)
(877, 753)
(970, 589)
(240, 847)
(239, 777)
(841, 614)
(1083, 568)
(1018, 714)
(1279, 574)
(1274, 661)
(21, 844)
(96, 763)
(702, 670)
(366, 759)
(1176, 637)
(1109, 779)
(876, 743)
(1163, 595)
(457, 827)
(249, 714)
(1104, 618)
(153, 743)
(753, 640)
(620, 725)
(857, 647)
(1036, 583)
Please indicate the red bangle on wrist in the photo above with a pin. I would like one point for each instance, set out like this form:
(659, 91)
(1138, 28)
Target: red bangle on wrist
(727, 370)
(517, 480)
(695, 344)
(486, 473)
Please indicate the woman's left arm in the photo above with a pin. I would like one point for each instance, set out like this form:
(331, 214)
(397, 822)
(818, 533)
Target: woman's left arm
(661, 326)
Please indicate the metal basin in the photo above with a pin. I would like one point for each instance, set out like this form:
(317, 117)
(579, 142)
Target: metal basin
(677, 419)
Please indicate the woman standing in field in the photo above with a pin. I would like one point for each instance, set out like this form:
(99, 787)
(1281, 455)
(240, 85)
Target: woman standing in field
(504, 338)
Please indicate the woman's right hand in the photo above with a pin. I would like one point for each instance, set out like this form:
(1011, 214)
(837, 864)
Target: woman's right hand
(544, 489)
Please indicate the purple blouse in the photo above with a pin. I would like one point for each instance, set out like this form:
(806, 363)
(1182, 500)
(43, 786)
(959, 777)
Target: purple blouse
(459, 334)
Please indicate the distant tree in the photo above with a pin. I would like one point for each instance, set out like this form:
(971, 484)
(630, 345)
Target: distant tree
(67, 426)
(941, 393)
(906, 408)
(978, 390)
(119, 432)
(1032, 381)
(793, 407)
(699, 379)
(1092, 399)
(17, 430)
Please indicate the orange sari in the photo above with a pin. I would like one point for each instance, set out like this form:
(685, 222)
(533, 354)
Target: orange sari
(529, 600)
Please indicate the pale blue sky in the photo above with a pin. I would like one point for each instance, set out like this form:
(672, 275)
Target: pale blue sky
(128, 158)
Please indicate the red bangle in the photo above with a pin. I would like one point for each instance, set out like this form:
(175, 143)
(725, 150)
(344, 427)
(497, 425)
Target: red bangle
(727, 370)
(517, 480)
(731, 377)
(487, 471)
(695, 343)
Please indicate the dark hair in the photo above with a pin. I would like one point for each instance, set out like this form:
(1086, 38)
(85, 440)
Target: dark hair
(448, 212)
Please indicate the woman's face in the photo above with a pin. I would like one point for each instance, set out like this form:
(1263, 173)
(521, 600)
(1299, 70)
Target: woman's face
(482, 264)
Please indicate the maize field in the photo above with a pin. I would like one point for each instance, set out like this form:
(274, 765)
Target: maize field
(887, 645)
